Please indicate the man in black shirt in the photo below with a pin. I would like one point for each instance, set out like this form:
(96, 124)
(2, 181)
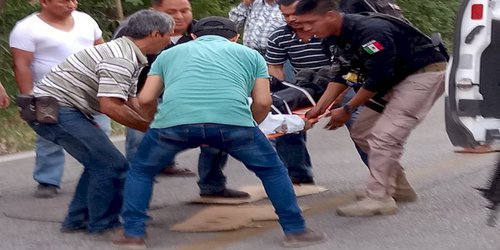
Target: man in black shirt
(393, 65)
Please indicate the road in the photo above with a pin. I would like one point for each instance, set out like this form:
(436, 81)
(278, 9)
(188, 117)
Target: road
(449, 213)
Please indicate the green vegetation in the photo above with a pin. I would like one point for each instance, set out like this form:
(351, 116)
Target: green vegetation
(429, 15)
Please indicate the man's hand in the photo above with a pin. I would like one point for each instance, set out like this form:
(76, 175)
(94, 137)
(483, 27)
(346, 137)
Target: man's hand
(339, 117)
(313, 113)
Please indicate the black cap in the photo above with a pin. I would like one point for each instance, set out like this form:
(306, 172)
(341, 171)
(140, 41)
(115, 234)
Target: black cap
(215, 25)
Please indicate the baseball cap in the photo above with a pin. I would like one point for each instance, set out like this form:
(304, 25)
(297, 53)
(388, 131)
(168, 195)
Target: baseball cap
(215, 25)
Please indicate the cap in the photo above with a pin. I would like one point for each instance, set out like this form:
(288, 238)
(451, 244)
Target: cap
(215, 25)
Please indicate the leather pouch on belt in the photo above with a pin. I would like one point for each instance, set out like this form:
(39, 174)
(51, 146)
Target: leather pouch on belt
(26, 107)
(47, 110)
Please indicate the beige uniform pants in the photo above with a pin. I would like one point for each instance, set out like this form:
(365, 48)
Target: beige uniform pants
(383, 135)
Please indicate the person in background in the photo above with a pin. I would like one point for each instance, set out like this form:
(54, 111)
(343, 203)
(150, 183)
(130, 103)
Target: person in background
(38, 42)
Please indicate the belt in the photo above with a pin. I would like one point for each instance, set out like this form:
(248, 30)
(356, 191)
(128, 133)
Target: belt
(433, 67)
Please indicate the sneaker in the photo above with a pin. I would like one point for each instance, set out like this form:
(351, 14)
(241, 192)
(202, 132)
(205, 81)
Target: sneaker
(45, 191)
(227, 193)
(307, 238)
(127, 242)
(369, 207)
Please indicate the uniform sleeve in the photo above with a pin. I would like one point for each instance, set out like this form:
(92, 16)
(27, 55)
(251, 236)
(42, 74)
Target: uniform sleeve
(275, 54)
(239, 14)
(21, 37)
(115, 78)
(379, 53)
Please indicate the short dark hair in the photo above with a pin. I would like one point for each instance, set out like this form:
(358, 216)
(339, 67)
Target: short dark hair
(316, 6)
(286, 2)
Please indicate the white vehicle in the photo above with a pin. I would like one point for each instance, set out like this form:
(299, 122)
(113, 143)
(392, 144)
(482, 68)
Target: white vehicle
(473, 76)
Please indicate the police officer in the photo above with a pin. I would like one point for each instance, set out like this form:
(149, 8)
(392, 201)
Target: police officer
(399, 76)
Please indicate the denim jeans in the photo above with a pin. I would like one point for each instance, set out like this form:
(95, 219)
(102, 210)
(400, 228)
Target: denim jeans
(246, 144)
(210, 164)
(293, 152)
(49, 160)
(99, 193)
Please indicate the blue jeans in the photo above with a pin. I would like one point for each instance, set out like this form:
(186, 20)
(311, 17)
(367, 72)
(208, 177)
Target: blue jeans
(210, 164)
(293, 152)
(99, 193)
(246, 144)
(49, 160)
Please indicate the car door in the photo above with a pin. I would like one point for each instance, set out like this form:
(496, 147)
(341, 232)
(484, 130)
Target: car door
(472, 111)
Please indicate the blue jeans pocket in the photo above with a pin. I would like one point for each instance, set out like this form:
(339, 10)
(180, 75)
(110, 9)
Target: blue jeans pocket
(176, 134)
(237, 134)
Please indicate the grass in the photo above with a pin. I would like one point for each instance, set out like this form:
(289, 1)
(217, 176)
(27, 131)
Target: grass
(17, 136)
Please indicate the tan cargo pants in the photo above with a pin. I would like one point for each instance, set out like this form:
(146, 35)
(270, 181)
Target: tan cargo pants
(383, 135)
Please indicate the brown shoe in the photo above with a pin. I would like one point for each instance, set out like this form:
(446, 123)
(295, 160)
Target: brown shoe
(127, 242)
(307, 238)
(227, 193)
(45, 191)
(173, 171)
(369, 207)
(404, 192)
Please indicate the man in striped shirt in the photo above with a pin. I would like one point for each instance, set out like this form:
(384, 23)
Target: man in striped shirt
(304, 51)
(101, 79)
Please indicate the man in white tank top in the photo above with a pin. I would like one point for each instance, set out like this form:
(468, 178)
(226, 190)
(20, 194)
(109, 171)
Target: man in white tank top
(39, 42)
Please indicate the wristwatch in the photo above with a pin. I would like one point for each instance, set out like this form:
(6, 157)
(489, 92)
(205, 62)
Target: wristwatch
(349, 109)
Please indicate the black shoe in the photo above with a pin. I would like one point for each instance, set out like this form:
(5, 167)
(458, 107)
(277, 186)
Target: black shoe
(70, 230)
(227, 193)
(297, 181)
(45, 191)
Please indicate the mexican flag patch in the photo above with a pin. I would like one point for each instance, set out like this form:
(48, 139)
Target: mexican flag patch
(372, 47)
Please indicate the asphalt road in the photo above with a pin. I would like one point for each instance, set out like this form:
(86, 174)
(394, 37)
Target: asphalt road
(449, 214)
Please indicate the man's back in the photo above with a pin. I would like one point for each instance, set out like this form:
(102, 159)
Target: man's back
(210, 84)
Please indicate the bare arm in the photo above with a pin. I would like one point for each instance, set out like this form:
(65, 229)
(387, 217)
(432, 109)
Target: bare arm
(118, 110)
(262, 100)
(4, 98)
(276, 70)
(332, 91)
(99, 41)
(148, 98)
(22, 70)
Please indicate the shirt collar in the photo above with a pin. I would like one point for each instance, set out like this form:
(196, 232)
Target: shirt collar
(140, 56)
(212, 38)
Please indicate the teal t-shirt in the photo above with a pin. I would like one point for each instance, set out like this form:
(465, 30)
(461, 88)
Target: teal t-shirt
(207, 80)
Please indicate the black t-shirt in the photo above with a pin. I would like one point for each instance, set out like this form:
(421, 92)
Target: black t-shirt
(383, 52)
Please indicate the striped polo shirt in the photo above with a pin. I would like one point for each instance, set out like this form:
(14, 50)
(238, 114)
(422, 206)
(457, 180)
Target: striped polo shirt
(106, 70)
(284, 44)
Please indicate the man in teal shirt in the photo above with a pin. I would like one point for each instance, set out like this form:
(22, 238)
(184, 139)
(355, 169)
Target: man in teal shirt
(206, 84)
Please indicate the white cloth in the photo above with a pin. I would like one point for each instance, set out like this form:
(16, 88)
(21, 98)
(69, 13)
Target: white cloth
(281, 124)
(49, 45)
